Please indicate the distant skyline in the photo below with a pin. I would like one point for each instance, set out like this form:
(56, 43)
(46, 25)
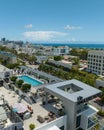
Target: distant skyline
(52, 20)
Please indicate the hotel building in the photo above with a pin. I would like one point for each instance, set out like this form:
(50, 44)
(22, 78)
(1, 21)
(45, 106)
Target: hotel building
(96, 61)
(74, 95)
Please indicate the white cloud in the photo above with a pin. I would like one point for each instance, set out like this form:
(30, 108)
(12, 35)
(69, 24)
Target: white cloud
(43, 35)
(28, 26)
(70, 27)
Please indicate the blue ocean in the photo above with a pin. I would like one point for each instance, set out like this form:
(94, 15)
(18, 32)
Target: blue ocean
(75, 45)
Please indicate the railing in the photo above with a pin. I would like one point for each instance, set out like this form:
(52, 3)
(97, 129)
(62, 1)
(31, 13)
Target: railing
(92, 121)
(83, 108)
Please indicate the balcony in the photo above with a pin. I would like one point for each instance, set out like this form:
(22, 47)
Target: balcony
(92, 121)
(83, 108)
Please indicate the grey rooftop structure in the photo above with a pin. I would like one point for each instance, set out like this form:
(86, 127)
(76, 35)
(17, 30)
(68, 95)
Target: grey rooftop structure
(73, 90)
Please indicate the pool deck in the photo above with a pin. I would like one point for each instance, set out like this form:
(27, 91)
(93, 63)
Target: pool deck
(38, 109)
(34, 78)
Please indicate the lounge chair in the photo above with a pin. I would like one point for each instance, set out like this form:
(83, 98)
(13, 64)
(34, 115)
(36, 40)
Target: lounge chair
(40, 119)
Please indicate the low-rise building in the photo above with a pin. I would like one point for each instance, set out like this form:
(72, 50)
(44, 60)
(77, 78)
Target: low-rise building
(63, 63)
(28, 49)
(13, 45)
(8, 57)
(61, 50)
(41, 59)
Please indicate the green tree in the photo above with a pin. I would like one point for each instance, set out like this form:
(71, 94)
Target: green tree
(32, 59)
(76, 61)
(25, 87)
(12, 66)
(58, 58)
(13, 78)
(83, 54)
(74, 52)
(19, 83)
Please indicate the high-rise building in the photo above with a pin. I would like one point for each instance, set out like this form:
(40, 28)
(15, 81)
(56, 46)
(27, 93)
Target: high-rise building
(96, 61)
(74, 96)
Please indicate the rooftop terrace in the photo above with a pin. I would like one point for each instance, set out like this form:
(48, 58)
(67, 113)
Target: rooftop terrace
(38, 108)
(76, 89)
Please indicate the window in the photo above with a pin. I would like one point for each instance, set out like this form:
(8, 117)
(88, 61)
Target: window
(78, 121)
(100, 57)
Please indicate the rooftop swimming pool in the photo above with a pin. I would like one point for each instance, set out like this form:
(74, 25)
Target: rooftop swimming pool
(30, 80)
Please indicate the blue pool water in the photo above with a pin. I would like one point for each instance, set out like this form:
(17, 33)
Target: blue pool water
(30, 80)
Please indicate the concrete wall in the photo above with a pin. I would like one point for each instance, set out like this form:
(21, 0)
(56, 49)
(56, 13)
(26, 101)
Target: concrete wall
(59, 122)
(70, 110)
(83, 122)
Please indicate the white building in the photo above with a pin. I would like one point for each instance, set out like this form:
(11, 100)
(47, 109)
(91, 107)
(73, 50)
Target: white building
(13, 45)
(96, 61)
(5, 72)
(41, 59)
(74, 96)
(28, 49)
(62, 50)
(63, 63)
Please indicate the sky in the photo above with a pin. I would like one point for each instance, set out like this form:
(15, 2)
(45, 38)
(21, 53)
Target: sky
(52, 20)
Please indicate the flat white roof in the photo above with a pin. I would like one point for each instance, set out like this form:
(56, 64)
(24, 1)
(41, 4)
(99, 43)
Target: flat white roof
(85, 92)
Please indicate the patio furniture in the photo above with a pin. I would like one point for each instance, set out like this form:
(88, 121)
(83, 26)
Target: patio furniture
(46, 117)
(26, 115)
(40, 119)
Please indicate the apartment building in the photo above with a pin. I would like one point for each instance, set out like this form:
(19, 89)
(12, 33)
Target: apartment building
(96, 61)
(8, 57)
(28, 49)
(74, 96)
(13, 45)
